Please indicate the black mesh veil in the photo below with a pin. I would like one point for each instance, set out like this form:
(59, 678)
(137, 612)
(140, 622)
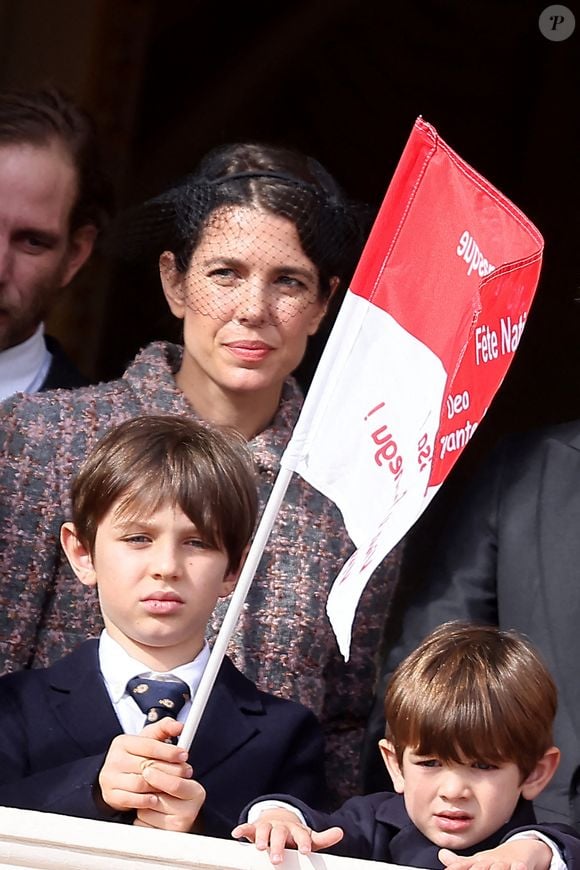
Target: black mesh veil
(281, 235)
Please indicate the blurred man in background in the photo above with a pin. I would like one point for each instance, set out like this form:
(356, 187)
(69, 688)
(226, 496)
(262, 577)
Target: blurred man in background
(54, 200)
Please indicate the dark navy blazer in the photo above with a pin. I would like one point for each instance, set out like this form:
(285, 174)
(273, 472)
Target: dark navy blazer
(377, 827)
(62, 373)
(56, 725)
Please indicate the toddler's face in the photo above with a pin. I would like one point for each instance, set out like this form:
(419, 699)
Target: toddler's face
(456, 804)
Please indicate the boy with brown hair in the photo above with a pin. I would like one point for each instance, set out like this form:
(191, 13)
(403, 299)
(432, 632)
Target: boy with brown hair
(162, 512)
(468, 746)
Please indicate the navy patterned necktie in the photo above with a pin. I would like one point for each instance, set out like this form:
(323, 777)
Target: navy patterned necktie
(158, 695)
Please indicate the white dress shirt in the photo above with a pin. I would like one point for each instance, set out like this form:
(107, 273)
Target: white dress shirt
(23, 368)
(117, 668)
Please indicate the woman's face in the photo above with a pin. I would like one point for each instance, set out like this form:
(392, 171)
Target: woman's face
(249, 300)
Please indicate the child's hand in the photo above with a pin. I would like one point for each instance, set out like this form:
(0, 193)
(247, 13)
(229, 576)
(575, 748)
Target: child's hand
(179, 799)
(142, 772)
(528, 854)
(277, 829)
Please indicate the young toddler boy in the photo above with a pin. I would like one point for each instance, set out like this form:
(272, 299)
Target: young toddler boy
(468, 746)
(162, 512)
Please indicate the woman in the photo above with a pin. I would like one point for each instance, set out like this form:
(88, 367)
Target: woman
(254, 245)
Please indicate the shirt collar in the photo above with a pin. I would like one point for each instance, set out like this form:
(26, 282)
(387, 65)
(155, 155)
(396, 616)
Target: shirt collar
(117, 667)
(24, 366)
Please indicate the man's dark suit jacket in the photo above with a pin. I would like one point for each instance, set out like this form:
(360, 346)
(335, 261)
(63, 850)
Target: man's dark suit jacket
(512, 558)
(61, 373)
(57, 724)
(377, 827)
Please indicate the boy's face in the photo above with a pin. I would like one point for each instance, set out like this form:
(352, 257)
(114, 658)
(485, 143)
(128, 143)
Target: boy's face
(158, 583)
(455, 805)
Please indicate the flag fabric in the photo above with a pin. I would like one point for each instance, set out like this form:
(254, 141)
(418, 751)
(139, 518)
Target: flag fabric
(421, 343)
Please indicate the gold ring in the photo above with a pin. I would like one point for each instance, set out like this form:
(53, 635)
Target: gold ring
(147, 762)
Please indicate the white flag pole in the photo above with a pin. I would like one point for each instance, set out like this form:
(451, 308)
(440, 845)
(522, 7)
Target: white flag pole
(339, 341)
(233, 612)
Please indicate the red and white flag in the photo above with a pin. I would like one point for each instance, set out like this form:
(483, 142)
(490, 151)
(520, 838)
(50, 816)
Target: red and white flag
(422, 342)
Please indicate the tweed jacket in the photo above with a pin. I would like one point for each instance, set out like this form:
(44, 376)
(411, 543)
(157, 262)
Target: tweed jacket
(283, 642)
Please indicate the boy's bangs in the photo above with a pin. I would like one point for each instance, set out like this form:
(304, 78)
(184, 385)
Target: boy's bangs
(459, 736)
(140, 501)
(472, 693)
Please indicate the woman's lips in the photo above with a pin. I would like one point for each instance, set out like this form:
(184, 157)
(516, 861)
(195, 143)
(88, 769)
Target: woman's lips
(253, 351)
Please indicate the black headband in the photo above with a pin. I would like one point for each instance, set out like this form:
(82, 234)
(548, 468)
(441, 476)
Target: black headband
(278, 176)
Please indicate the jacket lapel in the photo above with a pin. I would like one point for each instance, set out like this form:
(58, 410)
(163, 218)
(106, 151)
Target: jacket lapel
(224, 727)
(79, 700)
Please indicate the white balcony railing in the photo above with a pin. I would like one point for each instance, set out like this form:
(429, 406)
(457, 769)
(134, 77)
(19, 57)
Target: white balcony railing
(43, 841)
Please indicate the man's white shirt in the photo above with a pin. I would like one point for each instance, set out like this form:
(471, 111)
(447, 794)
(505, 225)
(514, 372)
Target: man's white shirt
(23, 368)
